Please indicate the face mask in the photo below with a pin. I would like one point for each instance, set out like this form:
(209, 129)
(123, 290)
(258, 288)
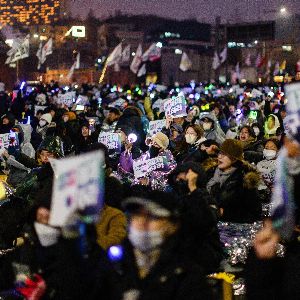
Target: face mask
(145, 240)
(256, 131)
(206, 126)
(153, 151)
(190, 139)
(269, 154)
(47, 235)
(42, 123)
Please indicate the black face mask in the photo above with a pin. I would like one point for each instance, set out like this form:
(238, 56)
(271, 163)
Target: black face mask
(153, 151)
(182, 187)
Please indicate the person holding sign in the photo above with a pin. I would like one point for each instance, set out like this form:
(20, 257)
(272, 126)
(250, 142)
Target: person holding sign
(156, 178)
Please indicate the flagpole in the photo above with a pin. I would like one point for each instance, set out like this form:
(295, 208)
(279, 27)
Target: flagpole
(17, 70)
(103, 73)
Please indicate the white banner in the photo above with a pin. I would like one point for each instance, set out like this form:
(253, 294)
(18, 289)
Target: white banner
(67, 98)
(176, 107)
(7, 138)
(156, 126)
(78, 186)
(19, 53)
(111, 140)
(142, 168)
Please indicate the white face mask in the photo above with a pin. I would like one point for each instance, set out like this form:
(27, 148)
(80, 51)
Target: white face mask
(269, 154)
(145, 241)
(206, 126)
(42, 123)
(256, 131)
(190, 139)
(47, 235)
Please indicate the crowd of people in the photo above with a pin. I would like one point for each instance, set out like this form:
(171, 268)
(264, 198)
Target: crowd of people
(157, 236)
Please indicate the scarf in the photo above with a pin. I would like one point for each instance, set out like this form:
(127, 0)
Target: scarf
(220, 178)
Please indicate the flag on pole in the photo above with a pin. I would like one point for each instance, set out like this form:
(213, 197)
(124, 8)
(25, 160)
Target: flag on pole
(223, 55)
(126, 54)
(39, 55)
(276, 69)
(20, 52)
(115, 57)
(282, 66)
(152, 54)
(238, 71)
(185, 63)
(216, 61)
(248, 60)
(77, 62)
(71, 72)
(137, 60)
(142, 71)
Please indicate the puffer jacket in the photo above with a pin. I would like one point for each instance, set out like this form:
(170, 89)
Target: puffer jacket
(238, 196)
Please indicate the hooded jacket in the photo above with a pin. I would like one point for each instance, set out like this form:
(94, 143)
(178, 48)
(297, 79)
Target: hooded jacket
(271, 132)
(215, 133)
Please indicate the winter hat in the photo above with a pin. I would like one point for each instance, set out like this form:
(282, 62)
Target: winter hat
(233, 149)
(47, 117)
(52, 144)
(156, 203)
(161, 139)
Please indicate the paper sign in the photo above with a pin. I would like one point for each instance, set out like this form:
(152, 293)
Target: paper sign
(78, 185)
(67, 98)
(39, 107)
(82, 100)
(292, 92)
(7, 138)
(176, 107)
(159, 103)
(142, 168)
(41, 99)
(156, 126)
(111, 140)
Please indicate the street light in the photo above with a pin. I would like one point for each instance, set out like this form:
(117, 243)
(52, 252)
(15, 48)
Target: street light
(283, 10)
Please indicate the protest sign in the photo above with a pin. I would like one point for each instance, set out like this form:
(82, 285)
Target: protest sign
(77, 186)
(141, 168)
(156, 126)
(176, 107)
(111, 140)
(292, 121)
(118, 103)
(159, 104)
(67, 98)
(39, 107)
(7, 139)
(82, 100)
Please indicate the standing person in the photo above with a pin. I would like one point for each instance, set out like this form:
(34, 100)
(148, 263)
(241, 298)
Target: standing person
(271, 277)
(156, 261)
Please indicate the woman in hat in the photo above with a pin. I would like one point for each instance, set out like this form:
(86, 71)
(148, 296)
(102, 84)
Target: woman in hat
(234, 185)
(158, 147)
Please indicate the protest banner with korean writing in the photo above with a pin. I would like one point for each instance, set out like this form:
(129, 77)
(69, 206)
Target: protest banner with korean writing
(111, 140)
(156, 126)
(176, 107)
(78, 186)
(292, 121)
(8, 139)
(142, 168)
(67, 98)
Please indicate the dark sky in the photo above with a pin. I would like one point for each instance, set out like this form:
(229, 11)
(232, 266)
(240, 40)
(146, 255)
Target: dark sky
(203, 10)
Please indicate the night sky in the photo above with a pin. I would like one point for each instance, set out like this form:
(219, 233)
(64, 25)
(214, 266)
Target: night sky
(203, 10)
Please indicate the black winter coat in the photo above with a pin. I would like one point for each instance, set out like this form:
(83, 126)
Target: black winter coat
(253, 153)
(175, 276)
(238, 197)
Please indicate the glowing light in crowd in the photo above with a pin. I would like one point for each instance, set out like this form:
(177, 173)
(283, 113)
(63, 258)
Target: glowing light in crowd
(159, 44)
(115, 253)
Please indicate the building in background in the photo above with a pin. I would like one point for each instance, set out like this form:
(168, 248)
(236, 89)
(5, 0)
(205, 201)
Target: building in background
(29, 12)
